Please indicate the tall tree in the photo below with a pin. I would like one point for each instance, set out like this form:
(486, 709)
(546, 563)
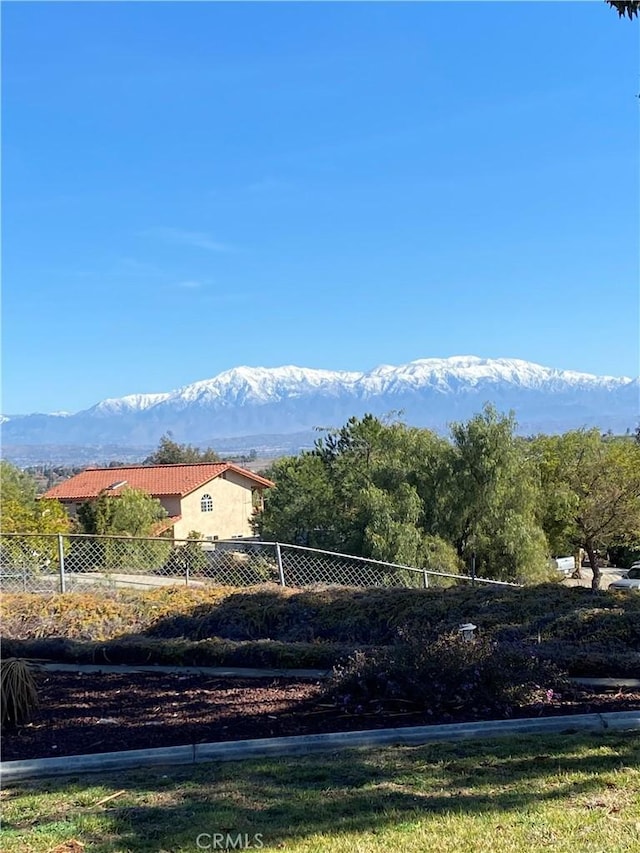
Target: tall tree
(490, 510)
(300, 509)
(366, 489)
(169, 452)
(592, 488)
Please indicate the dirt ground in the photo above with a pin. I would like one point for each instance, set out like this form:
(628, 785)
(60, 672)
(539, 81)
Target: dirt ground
(86, 713)
(608, 576)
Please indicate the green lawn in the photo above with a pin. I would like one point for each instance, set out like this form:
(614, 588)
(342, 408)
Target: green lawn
(576, 793)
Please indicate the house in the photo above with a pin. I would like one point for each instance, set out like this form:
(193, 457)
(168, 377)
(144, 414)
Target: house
(217, 499)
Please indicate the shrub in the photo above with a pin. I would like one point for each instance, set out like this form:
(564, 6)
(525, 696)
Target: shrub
(188, 557)
(592, 660)
(566, 624)
(447, 675)
(19, 693)
(97, 616)
(145, 651)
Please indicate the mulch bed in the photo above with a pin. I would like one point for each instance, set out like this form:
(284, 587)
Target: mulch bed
(87, 712)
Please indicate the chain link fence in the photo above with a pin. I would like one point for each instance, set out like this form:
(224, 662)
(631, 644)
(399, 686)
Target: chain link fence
(61, 563)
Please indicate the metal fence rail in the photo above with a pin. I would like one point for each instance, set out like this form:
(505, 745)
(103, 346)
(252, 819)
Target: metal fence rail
(60, 563)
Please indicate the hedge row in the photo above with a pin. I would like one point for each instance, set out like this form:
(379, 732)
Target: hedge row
(582, 632)
(544, 613)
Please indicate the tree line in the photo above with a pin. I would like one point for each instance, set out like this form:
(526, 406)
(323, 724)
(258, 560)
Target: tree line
(481, 498)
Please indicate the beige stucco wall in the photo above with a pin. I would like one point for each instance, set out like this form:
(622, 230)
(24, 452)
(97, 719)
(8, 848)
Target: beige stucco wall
(232, 508)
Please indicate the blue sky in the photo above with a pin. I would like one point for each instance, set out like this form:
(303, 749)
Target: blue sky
(188, 187)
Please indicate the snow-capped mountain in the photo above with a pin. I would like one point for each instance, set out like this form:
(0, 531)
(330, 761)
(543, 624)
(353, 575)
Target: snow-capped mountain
(429, 392)
(130, 403)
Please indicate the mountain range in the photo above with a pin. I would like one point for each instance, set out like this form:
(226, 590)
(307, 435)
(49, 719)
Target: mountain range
(246, 404)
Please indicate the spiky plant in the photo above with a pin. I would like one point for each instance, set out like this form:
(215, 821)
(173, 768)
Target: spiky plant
(625, 7)
(19, 694)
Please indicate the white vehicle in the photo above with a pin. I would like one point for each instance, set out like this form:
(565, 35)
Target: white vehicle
(629, 581)
(566, 565)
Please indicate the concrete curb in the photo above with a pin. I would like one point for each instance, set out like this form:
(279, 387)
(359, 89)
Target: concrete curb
(251, 672)
(15, 771)
(215, 671)
(607, 682)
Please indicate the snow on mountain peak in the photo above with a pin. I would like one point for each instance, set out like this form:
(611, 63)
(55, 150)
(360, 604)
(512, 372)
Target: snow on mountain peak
(472, 369)
(130, 403)
(261, 402)
(261, 385)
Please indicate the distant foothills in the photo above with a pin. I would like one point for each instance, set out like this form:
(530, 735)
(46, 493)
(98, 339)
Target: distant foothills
(270, 412)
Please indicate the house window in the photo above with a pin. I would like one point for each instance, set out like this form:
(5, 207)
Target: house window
(206, 503)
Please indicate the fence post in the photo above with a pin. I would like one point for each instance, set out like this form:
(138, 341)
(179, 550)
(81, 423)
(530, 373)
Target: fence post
(426, 578)
(63, 580)
(279, 562)
(186, 574)
(473, 569)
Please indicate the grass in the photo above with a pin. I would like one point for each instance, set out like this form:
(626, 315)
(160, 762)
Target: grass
(564, 793)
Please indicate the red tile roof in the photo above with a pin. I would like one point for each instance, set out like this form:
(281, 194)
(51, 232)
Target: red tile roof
(157, 480)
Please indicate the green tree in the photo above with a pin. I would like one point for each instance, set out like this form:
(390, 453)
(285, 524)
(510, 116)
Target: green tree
(405, 495)
(366, 489)
(169, 452)
(390, 524)
(386, 477)
(16, 484)
(132, 512)
(300, 509)
(592, 492)
(490, 506)
(21, 512)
